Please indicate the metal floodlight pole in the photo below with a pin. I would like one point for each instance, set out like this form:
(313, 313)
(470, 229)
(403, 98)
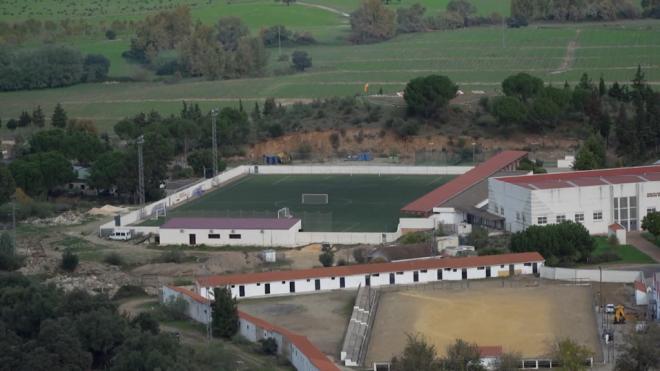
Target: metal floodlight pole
(214, 139)
(140, 144)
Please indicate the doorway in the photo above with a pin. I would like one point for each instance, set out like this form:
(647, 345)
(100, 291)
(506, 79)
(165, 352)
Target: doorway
(415, 276)
(241, 291)
(392, 280)
(367, 280)
(292, 286)
(342, 282)
(535, 268)
(192, 239)
(487, 272)
(464, 274)
(267, 288)
(317, 285)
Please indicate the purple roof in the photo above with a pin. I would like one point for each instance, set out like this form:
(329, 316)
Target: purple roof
(230, 223)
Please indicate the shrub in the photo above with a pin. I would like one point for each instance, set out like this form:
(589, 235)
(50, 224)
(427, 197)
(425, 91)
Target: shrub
(327, 258)
(174, 309)
(110, 35)
(69, 261)
(114, 258)
(608, 256)
(129, 291)
(412, 238)
(172, 256)
(360, 255)
(268, 346)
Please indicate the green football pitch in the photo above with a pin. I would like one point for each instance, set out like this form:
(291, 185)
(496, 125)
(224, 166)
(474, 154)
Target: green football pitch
(356, 203)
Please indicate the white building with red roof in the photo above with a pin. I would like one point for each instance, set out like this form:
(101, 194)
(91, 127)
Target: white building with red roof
(595, 198)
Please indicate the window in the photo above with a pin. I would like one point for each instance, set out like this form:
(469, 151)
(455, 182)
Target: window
(376, 274)
(423, 271)
(214, 236)
(579, 217)
(235, 236)
(258, 283)
(502, 266)
(399, 273)
(598, 216)
(447, 269)
(542, 220)
(650, 210)
(527, 264)
(561, 218)
(480, 268)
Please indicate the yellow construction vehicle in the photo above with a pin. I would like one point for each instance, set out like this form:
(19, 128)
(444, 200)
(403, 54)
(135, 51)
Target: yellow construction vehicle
(619, 315)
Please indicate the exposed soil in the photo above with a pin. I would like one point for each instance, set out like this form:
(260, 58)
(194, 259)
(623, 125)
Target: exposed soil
(523, 319)
(569, 58)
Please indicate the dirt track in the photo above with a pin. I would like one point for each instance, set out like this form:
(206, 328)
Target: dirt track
(524, 319)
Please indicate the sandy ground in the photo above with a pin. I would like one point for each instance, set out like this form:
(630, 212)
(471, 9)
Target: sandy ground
(323, 318)
(522, 319)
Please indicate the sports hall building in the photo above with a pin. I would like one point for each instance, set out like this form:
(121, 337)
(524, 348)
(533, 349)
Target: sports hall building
(595, 198)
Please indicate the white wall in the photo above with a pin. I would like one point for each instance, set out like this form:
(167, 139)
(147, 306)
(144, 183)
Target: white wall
(519, 202)
(249, 237)
(590, 275)
(378, 279)
(197, 311)
(416, 223)
(361, 169)
(346, 238)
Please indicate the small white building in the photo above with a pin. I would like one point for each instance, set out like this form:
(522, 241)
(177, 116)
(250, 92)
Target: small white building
(617, 231)
(230, 231)
(641, 293)
(595, 198)
(408, 272)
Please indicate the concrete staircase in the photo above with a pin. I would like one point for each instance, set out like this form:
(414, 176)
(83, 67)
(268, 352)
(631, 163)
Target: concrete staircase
(356, 340)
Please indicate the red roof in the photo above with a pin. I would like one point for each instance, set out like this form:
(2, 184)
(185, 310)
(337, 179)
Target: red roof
(615, 227)
(350, 270)
(586, 178)
(451, 189)
(490, 351)
(303, 344)
(640, 286)
(193, 295)
(230, 223)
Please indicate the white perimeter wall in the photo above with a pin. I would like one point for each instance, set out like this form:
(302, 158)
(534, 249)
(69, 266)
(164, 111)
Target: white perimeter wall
(199, 312)
(250, 237)
(590, 275)
(304, 237)
(377, 279)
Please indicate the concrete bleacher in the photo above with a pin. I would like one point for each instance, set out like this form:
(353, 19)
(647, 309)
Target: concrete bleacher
(355, 343)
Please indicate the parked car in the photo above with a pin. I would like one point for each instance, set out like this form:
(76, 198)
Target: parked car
(120, 235)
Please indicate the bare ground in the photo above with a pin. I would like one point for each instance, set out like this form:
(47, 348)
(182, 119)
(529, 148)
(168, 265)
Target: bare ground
(523, 319)
(323, 318)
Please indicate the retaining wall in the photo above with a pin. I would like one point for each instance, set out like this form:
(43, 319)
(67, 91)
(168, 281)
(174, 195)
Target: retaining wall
(352, 169)
(346, 238)
(590, 275)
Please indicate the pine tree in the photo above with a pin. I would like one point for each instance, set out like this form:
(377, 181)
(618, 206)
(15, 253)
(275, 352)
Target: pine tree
(38, 117)
(602, 88)
(256, 113)
(59, 118)
(24, 120)
(639, 80)
(240, 105)
(225, 313)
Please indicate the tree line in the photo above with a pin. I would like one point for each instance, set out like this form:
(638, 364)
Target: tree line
(574, 10)
(49, 67)
(43, 328)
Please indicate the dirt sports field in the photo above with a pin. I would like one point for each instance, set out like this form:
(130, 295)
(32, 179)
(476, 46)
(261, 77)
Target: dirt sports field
(522, 319)
(321, 317)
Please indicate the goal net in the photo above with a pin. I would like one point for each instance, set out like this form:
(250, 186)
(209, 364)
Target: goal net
(284, 213)
(314, 198)
(159, 211)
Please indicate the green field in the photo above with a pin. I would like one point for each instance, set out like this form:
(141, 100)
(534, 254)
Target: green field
(357, 203)
(628, 253)
(476, 58)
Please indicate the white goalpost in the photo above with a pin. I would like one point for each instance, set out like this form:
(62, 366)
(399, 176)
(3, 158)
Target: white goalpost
(284, 213)
(314, 199)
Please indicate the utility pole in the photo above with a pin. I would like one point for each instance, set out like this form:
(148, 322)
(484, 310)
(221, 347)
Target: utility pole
(214, 115)
(140, 144)
(279, 41)
(13, 226)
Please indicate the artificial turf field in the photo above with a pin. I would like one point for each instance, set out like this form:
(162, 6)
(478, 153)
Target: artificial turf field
(356, 203)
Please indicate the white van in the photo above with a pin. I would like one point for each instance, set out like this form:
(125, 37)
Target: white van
(120, 235)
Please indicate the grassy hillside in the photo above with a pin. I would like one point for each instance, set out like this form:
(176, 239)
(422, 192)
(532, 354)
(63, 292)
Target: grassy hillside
(477, 58)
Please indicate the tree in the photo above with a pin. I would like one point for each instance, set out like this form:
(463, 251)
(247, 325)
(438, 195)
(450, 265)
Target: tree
(463, 356)
(508, 362)
(95, 68)
(12, 124)
(372, 22)
(229, 31)
(411, 19)
(640, 351)
(562, 243)
(418, 355)
(602, 88)
(47, 66)
(202, 160)
(24, 120)
(327, 258)
(38, 117)
(107, 170)
(59, 118)
(225, 313)
(478, 238)
(591, 155)
(509, 111)
(7, 184)
(427, 96)
(69, 261)
(522, 85)
(301, 60)
(9, 260)
(268, 346)
(275, 35)
(146, 322)
(651, 223)
(571, 355)
(110, 34)
(464, 8)
(40, 173)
